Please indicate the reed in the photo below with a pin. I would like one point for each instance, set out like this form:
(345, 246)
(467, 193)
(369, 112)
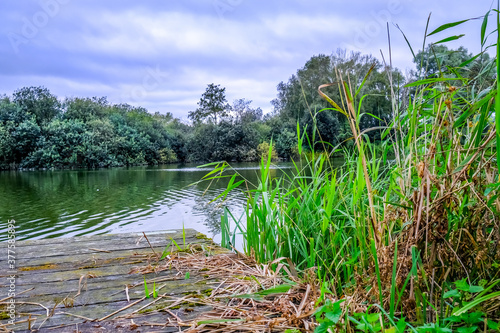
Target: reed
(403, 237)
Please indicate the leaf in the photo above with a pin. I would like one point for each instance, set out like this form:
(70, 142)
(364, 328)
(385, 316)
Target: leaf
(468, 61)
(427, 81)
(323, 328)
(373, 317)
(449, 39)
(475, 302)
(483, 27)
(281, 289)
(363, 327)
(208, 164)
(454, 319)
(446, 26)
(374, 116)
(331, 101)
(493, 325)
(334, 316)
(146, 288)
(462, 284)
(401, 325)
(407, 41)
(475, 289)
(186, 277)
(364, 79)
(475, 317)
(467, 329)
(491, 187)
(165, 252)
(459, 168)
(452, 293)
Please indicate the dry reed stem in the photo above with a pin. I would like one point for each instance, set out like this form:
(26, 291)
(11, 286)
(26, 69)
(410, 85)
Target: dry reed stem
(241, 276)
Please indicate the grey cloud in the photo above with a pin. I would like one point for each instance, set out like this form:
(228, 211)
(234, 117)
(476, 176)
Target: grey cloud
(108, 48)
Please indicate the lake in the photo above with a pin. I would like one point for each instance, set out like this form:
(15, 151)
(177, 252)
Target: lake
(64, 203)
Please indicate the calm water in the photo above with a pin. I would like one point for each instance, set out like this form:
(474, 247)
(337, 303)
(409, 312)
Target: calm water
(66, 203)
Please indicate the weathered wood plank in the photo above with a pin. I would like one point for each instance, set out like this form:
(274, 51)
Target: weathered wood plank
(89, 247)
(94, 258)
(71, 316)
(175, 234)
(86, 276)
(110, 290)
(105, 296)
(154, 321)
(94, 261)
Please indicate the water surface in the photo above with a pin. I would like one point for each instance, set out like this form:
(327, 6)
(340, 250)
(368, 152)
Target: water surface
(66, 203)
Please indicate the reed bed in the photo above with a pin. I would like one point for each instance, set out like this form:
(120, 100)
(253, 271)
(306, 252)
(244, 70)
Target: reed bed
(409, 243)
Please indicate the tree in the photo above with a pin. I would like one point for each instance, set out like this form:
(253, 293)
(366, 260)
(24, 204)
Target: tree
(244, 113)
(436, 58)
(39, 102)
(212, 105)
(298, 99)
(19, 134)
(85, 109)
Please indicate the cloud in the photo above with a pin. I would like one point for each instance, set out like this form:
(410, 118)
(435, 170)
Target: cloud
(96, 48)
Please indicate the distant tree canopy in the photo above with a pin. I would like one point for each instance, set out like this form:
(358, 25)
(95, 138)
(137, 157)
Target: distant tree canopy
(298, 99)
(438, 60)
(39, 102)
(37, 130)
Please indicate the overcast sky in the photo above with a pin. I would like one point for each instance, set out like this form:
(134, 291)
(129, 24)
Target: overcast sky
(161, 54)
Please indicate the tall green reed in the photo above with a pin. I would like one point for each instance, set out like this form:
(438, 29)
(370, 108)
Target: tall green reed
(392, 233)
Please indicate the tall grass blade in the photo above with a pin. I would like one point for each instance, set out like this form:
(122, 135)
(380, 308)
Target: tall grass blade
(483, 27)
(446, 26)
(497, 100)
(449, 39)
(146, 287)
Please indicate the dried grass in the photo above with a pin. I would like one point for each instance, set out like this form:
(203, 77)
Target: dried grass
(235, 305)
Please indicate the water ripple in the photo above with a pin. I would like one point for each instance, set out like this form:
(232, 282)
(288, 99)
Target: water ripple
(48, 204)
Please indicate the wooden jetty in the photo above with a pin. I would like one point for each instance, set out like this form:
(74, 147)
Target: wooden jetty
(85, 284)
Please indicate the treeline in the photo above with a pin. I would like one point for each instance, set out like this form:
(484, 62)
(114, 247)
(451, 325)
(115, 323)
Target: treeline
(37, 130)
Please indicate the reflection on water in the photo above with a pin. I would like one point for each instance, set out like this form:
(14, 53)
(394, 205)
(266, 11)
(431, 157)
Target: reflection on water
(64, 203)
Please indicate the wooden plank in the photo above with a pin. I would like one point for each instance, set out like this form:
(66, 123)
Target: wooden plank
(89, 247)
(99, 296)
(72, 316)
(107, 289)
(96, 257)
(86, 277)
(148, 322)
(175, 234)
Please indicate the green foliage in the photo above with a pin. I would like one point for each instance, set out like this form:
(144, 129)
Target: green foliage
(435, 59)
(390, 234)
(35, 133)
(263, 150)
(234, 138)
(212, 105)
(298, 100)
(35, 124)
(36, 130)
(328, 315)
(19, 134)
(39, 102)
(85, 109)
